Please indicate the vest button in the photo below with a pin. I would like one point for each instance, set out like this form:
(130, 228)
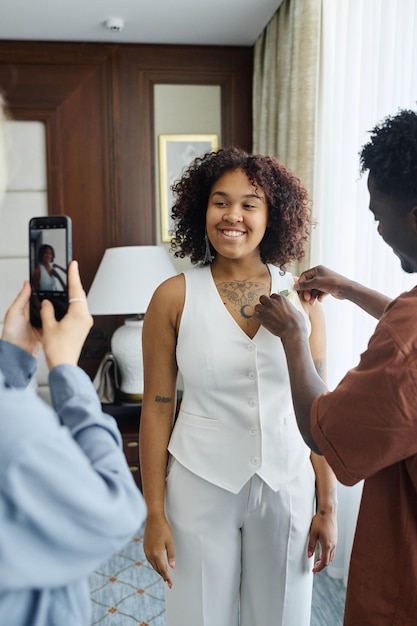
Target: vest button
(253, 431)
(251, 347)
(252, 402)
(251, 375)
(255, 460)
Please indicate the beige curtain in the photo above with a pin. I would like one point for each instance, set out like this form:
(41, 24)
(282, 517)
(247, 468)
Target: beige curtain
(285, 87)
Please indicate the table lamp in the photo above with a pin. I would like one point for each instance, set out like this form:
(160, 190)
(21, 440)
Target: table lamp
(125, 281)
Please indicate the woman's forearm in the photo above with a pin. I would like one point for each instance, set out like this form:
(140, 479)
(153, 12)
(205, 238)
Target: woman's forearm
(153, 443)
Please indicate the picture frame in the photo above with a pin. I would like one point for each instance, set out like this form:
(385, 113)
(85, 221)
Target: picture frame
(176, 153)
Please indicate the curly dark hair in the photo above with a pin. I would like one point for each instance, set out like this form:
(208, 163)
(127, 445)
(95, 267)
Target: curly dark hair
(287, 200)
(42, 249)
(391, 156)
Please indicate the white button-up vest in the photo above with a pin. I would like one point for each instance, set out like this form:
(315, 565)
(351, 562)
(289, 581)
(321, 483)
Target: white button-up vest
(236, 416)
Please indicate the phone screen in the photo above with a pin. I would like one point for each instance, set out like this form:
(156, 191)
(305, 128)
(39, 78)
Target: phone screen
(49, 257)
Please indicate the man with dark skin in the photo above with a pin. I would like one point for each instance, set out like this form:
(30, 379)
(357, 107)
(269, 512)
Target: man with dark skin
(367, 427)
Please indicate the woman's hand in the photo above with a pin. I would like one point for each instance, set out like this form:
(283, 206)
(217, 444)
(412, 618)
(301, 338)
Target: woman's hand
(62, 341)
(17, 328)
(159, 546)
(323, 530)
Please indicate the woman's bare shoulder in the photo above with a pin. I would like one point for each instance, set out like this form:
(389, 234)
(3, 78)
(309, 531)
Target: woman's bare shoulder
(171, 287)
(168, 297)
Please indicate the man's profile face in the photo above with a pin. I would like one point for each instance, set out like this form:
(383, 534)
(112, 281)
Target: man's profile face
(397, 225)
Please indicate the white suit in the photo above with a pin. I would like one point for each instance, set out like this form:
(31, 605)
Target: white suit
(240, 488)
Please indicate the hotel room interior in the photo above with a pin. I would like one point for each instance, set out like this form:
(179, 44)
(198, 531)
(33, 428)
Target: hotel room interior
(97, 90)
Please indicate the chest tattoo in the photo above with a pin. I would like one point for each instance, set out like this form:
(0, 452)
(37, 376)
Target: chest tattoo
(241, 296)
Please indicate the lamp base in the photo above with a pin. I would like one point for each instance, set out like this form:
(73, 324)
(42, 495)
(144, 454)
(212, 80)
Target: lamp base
(126, 346)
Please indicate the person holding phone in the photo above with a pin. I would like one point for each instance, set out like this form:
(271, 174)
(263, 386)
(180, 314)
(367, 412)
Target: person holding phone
(67, 497)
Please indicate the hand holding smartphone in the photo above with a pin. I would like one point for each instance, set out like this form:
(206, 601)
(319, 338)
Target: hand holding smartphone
(50, 252)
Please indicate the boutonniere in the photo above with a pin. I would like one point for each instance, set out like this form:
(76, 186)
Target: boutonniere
(291, 294)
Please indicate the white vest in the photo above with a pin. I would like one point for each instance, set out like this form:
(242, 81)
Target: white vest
(236, 417)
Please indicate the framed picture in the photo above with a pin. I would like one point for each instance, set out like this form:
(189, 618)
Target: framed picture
(176, 152)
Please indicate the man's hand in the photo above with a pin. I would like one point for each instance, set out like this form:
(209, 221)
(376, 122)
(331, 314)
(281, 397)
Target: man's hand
(279, 316)
(315, 283)
(17, 328)
(62, 341)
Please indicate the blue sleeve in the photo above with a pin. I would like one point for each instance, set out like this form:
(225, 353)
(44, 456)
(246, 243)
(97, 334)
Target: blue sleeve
(68, 497)
(16, 365)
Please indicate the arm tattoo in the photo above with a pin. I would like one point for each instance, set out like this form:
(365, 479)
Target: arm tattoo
(334, 502)
(163, 399)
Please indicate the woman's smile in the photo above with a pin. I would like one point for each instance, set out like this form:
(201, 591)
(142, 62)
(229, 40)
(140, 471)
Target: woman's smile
(232, 233)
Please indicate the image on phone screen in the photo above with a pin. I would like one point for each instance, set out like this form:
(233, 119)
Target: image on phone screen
(49, 256)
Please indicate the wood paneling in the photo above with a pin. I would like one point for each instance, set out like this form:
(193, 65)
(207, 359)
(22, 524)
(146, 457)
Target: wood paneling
(70, 89)
(140, 68)
(96, 101)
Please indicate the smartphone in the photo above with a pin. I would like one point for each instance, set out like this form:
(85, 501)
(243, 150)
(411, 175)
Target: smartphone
(50, 252)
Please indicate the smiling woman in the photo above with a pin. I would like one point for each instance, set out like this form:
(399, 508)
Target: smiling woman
(237, 466)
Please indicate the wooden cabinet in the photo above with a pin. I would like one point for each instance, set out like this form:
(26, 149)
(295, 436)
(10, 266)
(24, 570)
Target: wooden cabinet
(127, 417)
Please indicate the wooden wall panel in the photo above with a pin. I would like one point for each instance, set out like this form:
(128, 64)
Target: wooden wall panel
(70, 90)
(96, 101)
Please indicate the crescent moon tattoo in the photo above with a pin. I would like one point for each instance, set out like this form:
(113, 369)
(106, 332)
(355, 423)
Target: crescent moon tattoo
(244, 313)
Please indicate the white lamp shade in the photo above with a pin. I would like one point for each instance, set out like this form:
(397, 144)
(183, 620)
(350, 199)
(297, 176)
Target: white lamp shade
(126, 279)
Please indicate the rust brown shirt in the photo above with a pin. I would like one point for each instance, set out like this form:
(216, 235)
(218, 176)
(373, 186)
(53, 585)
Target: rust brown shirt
(367, 429)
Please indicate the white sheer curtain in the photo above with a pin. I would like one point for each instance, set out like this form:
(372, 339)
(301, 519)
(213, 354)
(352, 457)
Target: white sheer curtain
(368, 70)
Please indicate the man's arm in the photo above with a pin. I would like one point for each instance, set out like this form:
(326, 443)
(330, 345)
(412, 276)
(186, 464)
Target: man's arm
(306, 384)
(281, 318)
(319, 281)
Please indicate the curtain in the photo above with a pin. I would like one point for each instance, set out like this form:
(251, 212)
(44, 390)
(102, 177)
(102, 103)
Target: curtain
(285, 87)
(368, 69)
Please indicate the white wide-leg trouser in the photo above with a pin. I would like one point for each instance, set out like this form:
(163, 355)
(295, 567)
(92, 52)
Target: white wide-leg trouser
(241, 559)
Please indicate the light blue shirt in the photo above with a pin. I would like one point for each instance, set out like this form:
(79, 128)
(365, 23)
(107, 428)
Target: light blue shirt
(67, 496)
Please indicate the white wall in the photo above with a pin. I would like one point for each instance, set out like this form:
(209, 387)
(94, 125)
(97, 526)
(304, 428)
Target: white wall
(25, 197)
